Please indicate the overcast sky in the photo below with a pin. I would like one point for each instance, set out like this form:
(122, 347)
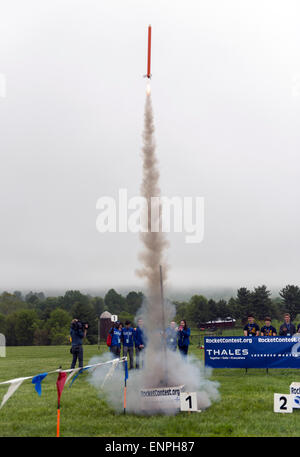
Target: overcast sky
(226, 99)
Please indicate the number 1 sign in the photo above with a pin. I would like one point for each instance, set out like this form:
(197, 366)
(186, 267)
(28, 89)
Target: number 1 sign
(188, 401)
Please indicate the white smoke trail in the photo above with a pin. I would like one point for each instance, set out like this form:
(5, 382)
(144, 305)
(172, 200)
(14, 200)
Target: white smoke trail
(153, 312)
(162, 367)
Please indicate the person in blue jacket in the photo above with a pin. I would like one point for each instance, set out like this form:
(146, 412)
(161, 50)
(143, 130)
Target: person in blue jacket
(116, 335)
(171, 336)
(139, 341)
(183, 337)
(77, 333)
(127, 340)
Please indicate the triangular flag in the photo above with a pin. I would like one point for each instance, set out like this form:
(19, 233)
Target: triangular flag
(75, 370)
(110, 372)
(37, 381)
(14, 385)
(80, 371)
(76, 376)
(62, 376)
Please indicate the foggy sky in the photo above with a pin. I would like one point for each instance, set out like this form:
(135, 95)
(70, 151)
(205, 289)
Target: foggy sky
(226, 100)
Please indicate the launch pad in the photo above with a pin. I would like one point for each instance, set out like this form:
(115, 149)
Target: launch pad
(161, 399)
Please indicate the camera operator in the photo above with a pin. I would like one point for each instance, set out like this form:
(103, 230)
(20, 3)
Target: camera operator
(77, 332)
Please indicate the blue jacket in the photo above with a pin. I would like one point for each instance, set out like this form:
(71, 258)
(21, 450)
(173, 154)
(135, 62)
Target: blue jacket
(183, 337)
(127, 336)
(139, 337)
(77, 336)
(116, 337)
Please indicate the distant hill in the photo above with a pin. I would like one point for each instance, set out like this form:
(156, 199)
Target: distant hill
(173, 293)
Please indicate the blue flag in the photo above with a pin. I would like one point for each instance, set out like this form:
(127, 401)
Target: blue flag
(126, 370)
(37, 380)
(76, 376)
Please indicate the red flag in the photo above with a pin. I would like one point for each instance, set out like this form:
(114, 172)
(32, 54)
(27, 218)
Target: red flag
(60, 383)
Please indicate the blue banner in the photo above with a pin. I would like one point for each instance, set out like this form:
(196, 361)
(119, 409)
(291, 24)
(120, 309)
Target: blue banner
(252, 352)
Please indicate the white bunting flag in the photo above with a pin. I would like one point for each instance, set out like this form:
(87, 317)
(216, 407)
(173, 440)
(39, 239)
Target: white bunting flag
(14, 385)
(110, 372)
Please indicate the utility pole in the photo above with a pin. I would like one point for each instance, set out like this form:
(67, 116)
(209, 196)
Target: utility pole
(163, 324)
(98, 332)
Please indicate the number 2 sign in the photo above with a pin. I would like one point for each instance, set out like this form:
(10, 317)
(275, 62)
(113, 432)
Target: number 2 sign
(283, 403)
(188, 401)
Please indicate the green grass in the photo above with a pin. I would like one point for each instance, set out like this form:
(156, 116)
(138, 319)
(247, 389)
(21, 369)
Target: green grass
(244, 409)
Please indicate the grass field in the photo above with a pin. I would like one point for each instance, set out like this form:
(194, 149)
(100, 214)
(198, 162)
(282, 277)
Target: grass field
(245, 408)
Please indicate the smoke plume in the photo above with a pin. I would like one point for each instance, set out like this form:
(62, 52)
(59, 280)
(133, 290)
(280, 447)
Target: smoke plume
(154, 268)
(161, 367)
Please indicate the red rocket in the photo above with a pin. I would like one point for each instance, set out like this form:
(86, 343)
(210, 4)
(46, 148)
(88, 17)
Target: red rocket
(148, 75)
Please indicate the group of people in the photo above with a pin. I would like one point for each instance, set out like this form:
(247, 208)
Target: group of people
(128, 337)
(178, 337)
(174, 337)
(131, 338)
(286, 329)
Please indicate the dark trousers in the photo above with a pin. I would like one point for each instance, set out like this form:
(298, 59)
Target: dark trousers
(128, 350)
(183, 350)
(116, 350)
(77, 352)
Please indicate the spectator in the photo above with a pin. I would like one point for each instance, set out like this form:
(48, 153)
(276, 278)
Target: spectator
(77, 333)
(116, 334)
(251, 329)
(139, 341)
(183, 337)
(268, 329)
(287, 328)
(127, 339)
(171, 336)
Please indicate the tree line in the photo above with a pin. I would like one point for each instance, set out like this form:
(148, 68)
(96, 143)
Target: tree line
(258, 301)
(34, 319)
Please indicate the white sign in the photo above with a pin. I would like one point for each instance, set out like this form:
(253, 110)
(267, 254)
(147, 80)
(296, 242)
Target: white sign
(161, 398)
(114, 318)
(283, 403)
(295, 388)
(188, 401)
(2, 346)
(295, 394)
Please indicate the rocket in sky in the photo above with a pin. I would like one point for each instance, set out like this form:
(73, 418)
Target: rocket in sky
(148, 75)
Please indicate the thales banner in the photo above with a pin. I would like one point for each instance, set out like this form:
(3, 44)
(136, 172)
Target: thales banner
(252, 352)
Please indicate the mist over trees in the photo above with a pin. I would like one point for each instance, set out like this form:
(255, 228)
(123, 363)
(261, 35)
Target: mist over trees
(34, 319)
